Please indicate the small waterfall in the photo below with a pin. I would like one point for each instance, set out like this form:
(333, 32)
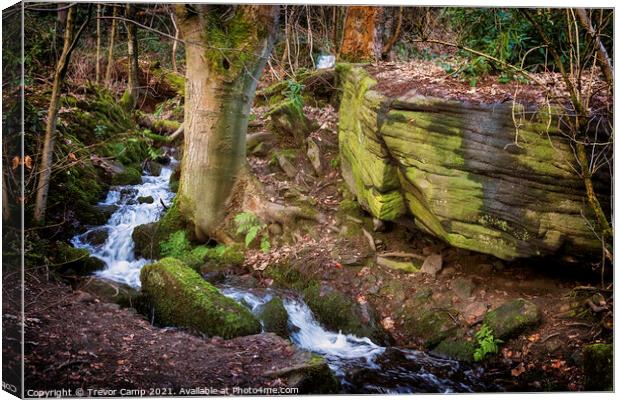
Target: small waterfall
(118, 250)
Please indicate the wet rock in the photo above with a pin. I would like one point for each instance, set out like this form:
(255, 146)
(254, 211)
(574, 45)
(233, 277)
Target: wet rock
(146, 199)
(96, 237)
(73, 261)
(309, 373)
(598, 366)
(145, 239)
(109, 291)
(154, 168)
(432, 264)
(462, 287)
(163, 160)
(512, 318)
(274, 317)
(129, 176)
(181, 297)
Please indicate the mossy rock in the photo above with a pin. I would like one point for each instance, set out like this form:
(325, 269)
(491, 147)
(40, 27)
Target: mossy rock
(146, 200)
(598, 366)
(512, 318)
(145, 240)
(73, 261)
(455, 348)
(96, 237)
(154, 168)
(130, 176)
(425, 321)
(173, 183)
(274, 317)
(309, 373)
(288, 119)
(182, 298)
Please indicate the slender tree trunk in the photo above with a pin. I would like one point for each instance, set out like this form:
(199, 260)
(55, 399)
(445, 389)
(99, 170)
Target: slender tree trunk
(174, 43)
(133, 90)
(45, 168)
(110, 65)
(6, 207)
(98, 57)
(601, 52)
(222, 73)
(361, 38)
(385, 52)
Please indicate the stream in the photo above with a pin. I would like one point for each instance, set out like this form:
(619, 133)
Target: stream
(361, 365)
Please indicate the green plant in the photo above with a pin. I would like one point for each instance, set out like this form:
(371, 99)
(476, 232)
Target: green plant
(159, 110)
(487, 343)
(249, 225)
(293, 93)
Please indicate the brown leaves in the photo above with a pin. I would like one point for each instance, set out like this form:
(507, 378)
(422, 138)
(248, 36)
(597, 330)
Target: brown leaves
(16, 161)
(518, 370)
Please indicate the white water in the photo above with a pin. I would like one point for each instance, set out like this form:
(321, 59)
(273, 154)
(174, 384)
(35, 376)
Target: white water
(360, 364)
(118, 250)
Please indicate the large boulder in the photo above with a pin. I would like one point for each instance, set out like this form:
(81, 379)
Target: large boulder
(74, 261)
(456, 168)
(182, 298)
(309, 373)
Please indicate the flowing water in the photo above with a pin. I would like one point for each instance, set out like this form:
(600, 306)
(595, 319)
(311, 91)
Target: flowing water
(361, 365)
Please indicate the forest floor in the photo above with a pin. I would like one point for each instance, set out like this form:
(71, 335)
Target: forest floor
(74, 339)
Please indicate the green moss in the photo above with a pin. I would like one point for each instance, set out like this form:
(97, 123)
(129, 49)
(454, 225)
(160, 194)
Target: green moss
(129, 176)
(181, 297)
(456, 348)
(288, 119)
(230, 45)
(127, 100)
(425, 321)
(274, 317)
(598, 366)
(72, 261)
(512, 318)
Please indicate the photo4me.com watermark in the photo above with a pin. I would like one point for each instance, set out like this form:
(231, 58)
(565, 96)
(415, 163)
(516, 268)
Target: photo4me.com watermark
(194, 391)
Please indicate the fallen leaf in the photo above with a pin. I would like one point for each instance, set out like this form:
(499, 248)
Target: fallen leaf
(518, 370)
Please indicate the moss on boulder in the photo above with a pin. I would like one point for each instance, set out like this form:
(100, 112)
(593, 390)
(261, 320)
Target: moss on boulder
(309, 373)
(598, 366)
(456, 348)
(287, 119)
(512, 318)
(73, 261)
(274, 317)
(129, 176)
(182, 298)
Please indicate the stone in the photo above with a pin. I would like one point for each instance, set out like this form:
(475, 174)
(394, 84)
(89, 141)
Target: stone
(512, 318)
(109, 291)
(145, 241)
(473, 312)
(462, 287)
(129, 176)
(145, 199)
(288, 168)
(598, 366)
(96, 237)
(314, 155)
(287, 119)
(432, 264)
(452, 167)
(154, 168)
(404, 266)
(274, 317)
(309, 373)
(455, 348)
(181, 297)
(74, 261)
(106, 210)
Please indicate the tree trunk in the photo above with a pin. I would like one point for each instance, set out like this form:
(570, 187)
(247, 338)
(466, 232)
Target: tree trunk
(385, 52)
(226, 51)
(110, 65)
(601, 52)
(98, 57)
(133, 89)
(45, 169)
(174, 43)
(361, 41)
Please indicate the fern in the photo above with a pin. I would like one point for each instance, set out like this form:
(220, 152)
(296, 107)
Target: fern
(487, 343)
(249, 225)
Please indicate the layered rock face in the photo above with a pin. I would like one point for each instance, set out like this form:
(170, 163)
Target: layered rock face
(463, 171)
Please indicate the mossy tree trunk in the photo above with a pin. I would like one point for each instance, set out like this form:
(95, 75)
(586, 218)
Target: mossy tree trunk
(226, 51)
(45, 164)
(130, 98)
(361, 41)
(110, 64)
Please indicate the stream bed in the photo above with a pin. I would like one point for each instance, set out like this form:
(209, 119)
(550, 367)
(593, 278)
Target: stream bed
(361, 365)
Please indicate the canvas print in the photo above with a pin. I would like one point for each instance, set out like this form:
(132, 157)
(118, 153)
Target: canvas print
(256, 199)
